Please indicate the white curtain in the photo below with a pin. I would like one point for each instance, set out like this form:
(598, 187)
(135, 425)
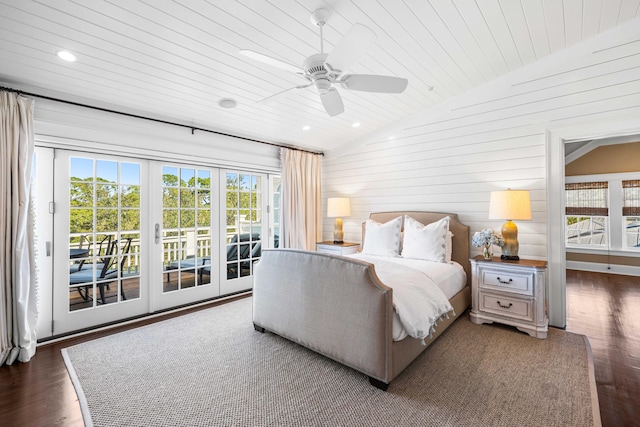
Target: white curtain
(301, 199)
(18, 306)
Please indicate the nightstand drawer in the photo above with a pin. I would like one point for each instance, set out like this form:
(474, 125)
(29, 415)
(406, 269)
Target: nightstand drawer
(505, 306)
(330, 250)
(507, 281)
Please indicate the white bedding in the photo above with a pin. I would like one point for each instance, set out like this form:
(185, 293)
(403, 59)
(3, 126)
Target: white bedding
(421, 291)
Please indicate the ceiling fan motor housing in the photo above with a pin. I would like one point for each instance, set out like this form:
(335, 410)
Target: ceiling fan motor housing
(315, 70)
(314, 65)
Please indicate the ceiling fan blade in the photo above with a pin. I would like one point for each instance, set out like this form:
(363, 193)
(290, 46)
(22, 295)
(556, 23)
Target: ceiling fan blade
(279, 94)
(270, 61)
(332, 102)
(373, 83)
(351, 47)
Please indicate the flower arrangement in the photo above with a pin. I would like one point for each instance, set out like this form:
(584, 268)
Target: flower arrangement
(485, 239)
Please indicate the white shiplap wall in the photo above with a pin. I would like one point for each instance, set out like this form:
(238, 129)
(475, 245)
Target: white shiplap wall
(61, 125)
(451, 157)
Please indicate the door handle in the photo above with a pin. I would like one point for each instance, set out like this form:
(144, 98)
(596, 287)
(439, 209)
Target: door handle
(157, 233)
(47, 246)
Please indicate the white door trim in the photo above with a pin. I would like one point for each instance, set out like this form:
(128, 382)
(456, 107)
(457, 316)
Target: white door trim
(44, 228)
(556, 259)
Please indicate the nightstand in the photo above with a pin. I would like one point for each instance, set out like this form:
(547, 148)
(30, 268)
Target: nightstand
(345, 248)
(510, 292)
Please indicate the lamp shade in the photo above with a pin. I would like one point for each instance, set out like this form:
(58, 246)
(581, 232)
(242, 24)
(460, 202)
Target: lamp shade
(338, 207)
(510, 204)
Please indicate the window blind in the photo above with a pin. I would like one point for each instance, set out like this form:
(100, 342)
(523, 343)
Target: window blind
(631, 197)
(587, 198)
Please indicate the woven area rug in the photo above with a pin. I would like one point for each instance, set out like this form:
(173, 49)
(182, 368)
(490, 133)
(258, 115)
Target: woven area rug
(211, 368)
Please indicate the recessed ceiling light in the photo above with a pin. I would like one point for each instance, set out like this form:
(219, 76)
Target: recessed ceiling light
(306, 127)
(227, 103)
(430, 88)
(66, 55)
(356, 125)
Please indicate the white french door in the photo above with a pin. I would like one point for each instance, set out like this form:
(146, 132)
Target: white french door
(100, 240)
(209, 226)
(186, 216)
(136, 236)
(245, 222)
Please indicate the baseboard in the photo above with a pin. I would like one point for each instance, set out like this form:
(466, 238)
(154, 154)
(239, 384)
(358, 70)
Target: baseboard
(627, 270)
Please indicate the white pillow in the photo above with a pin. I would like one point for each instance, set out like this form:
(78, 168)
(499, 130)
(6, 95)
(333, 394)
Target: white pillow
(382, 239)
(449, 244)
(426, 242)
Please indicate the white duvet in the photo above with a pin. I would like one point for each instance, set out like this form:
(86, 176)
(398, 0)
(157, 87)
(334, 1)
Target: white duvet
(421, 292)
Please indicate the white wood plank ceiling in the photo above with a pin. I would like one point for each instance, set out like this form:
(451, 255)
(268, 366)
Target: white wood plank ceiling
(175, 59)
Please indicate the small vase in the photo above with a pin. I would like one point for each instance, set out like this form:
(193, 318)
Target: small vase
(486, 252)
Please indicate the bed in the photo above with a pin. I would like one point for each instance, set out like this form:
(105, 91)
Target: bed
(338, 306)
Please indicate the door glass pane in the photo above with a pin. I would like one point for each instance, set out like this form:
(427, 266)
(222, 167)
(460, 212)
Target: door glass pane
(244, 223)
(130, 196)
(104, 233)
(204, 179)
(130, 174)
(186, 234)
(106, 171)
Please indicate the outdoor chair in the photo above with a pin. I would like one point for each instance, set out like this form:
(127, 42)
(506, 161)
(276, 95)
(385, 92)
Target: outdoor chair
(103, 247)
(103, 276)
(188, 263)
(242, 251)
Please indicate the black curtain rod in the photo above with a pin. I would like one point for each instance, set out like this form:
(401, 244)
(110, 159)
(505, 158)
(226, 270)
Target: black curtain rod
(166, 122)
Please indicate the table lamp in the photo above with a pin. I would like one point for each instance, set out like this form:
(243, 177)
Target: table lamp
(510, 204)
(338, 207)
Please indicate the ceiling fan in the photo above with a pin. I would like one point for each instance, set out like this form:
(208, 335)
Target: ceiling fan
(325, 71)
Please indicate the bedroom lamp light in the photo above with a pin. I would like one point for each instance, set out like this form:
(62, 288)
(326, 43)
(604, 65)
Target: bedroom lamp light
(338, 207)
(510, 204)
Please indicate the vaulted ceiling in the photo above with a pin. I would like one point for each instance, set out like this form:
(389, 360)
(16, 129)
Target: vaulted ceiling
(176, 59)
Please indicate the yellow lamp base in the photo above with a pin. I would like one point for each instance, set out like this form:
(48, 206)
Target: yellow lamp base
(338, 234)
(511, 245)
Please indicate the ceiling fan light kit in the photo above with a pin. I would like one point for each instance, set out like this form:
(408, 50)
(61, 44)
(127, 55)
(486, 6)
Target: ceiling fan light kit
(323, 71)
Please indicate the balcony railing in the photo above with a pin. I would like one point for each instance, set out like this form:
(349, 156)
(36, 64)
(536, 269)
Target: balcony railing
(172, 246)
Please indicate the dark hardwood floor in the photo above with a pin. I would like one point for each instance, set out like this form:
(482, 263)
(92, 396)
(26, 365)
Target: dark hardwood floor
(604, 307)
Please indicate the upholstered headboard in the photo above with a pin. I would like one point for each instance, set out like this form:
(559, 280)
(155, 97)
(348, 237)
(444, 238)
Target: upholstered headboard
(460, 241)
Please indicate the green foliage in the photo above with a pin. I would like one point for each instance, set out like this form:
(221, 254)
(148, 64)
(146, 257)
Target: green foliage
(240, 198)
(94, 205)
(107, 198)
(572, 220)
(180, 198)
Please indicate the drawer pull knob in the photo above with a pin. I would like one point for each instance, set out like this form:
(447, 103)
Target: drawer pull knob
(505, 306)
(505, 282)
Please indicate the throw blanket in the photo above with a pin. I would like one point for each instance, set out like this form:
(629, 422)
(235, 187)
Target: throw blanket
(417, 300)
